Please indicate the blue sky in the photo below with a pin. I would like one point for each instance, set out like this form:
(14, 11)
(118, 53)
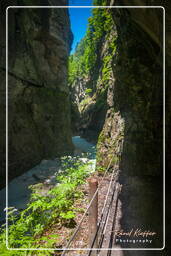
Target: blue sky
(79, 19)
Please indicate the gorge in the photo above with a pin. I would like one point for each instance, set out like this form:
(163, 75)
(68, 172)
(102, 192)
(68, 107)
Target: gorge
(110, 91)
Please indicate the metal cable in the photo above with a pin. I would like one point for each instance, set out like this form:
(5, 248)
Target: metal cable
(113, 225)
(76, 231)
(100, 222)
(107, 217)
(114, 222)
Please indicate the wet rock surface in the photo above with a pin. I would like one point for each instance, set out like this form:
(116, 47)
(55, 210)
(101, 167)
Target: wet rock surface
(38, 95)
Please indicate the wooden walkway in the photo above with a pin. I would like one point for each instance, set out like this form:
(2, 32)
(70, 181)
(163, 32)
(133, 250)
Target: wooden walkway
(108, 221)
(109, 214)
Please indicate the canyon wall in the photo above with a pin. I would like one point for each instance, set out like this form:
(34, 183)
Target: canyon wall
(139, 96)
(125, 109)
(39, 42)
(138, 92)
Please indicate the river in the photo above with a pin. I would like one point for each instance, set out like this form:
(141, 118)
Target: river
(46, 172)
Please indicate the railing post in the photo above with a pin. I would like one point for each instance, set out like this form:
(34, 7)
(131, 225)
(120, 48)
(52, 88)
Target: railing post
(93, 213)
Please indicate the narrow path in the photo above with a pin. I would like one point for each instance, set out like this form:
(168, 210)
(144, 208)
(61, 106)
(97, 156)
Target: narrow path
(46, 172)
(109, 215)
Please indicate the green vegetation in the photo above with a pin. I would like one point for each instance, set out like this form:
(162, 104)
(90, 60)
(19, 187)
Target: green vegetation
(85, 61)
(87, 91)
(26, 229)
(84, 103)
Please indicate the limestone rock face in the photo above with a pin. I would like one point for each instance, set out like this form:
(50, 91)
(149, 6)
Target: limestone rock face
(94, 108)
(138, 96)
(139, 90)
(39, 42)
(133, 127)
(130, 110)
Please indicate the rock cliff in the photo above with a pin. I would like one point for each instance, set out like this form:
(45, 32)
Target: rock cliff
(129, 119)
(138, 94)
(138, 97)
(39, 42)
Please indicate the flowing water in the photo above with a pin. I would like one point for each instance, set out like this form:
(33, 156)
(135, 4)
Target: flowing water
(46, 172)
